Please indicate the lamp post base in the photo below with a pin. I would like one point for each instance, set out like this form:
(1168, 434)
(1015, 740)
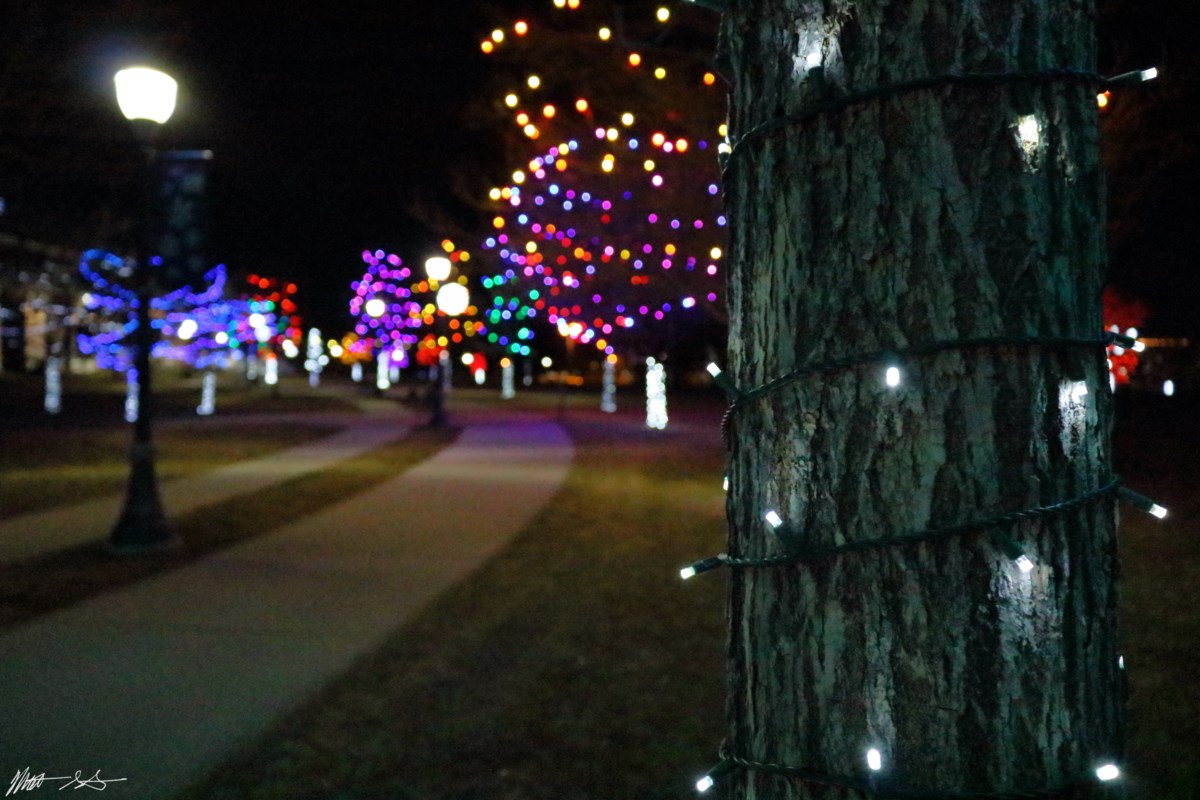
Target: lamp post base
(437, 406)
(143, 525)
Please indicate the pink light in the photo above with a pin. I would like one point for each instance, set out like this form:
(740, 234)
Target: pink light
(657, 180)
(712, 269)
(653, 218)
(712, 297)
(658, 315)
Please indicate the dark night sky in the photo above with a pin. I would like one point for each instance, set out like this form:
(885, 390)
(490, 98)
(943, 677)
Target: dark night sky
(329, 121)
(327, 125)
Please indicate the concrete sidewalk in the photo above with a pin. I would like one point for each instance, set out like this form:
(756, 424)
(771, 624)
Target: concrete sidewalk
(161, 682)
(30, 535)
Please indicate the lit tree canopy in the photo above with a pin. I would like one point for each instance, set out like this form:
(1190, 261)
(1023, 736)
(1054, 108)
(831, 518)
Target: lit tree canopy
(611, 222)
(396, 310)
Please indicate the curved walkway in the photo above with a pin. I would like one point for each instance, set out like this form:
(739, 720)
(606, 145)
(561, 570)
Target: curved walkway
(162, 681)
(40, 532)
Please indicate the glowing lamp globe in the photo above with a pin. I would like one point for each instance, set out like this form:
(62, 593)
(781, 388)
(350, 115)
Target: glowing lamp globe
(375, 307)
(437, 268)
(187, 329)
(144, 93)
(453, 299)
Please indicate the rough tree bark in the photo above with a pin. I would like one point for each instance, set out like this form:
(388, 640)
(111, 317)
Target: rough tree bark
(898, 222)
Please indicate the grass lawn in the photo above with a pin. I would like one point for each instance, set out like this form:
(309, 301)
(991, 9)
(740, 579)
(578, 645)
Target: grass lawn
(46, 461)
(1157, 444)
(576, 665)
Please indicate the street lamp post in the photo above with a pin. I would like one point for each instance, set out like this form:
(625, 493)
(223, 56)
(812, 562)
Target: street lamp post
(147, 99)
(452, 300)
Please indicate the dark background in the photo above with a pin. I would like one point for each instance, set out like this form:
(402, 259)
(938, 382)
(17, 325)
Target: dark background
(351, 125)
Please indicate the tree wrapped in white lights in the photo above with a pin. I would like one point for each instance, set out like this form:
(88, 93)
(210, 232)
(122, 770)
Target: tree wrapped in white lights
(921, 497)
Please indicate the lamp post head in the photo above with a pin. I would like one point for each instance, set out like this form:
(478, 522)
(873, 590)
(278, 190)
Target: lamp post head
(437, 268)
(453, 299)
(145, 93)
(375, 307)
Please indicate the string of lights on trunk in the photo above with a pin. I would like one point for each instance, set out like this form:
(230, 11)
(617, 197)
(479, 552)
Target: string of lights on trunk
(790, 545)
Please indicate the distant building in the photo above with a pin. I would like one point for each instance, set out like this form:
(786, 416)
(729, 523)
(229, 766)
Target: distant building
(39, 303)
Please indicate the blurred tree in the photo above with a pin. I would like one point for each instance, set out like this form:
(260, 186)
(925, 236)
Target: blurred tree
(608, 225)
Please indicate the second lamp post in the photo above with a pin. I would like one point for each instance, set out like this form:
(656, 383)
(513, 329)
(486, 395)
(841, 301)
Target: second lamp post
(452, 299)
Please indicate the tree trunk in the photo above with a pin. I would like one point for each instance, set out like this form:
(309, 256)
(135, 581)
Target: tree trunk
(904, 220)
